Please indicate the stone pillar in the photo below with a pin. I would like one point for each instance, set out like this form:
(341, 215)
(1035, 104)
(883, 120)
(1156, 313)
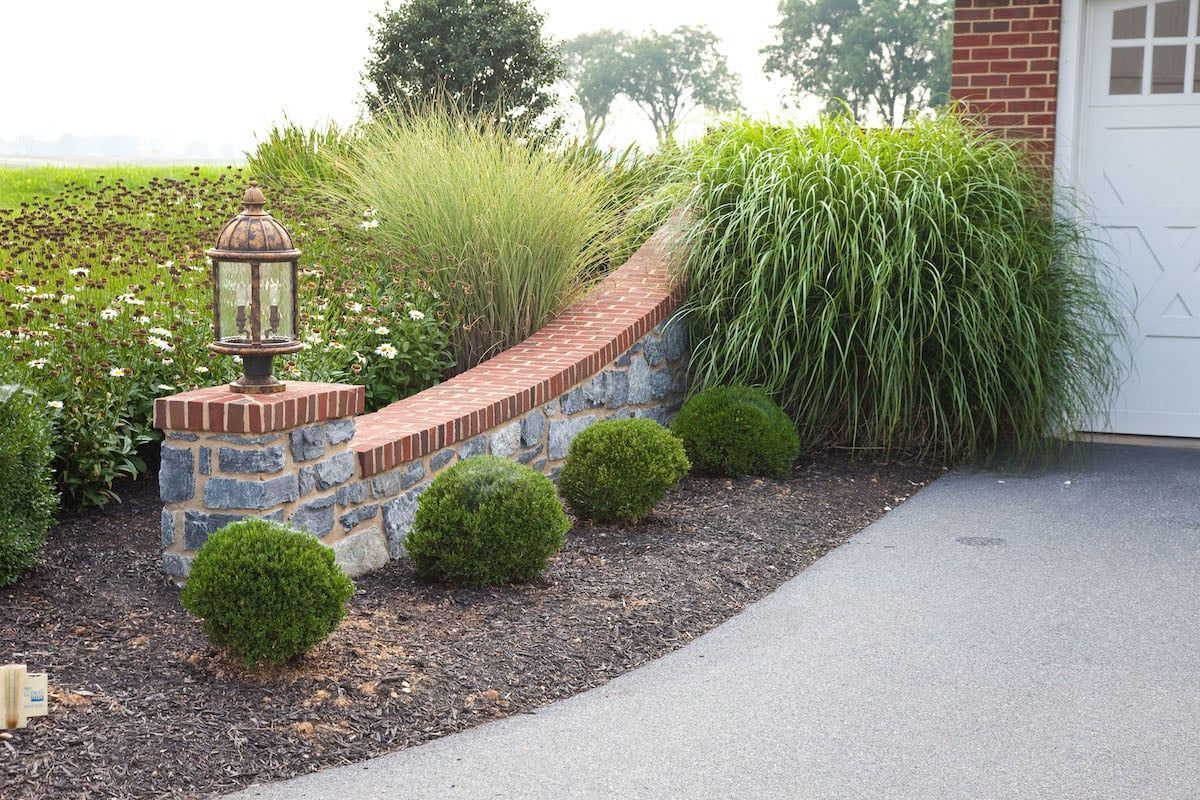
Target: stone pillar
(286, 457)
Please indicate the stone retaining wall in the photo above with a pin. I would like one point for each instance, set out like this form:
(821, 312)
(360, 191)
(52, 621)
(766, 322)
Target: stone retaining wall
(301, 457)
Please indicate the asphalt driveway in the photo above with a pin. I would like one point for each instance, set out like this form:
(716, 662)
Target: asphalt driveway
(994, 637)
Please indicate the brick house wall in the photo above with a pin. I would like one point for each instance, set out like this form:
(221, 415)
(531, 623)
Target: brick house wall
(1005, 68)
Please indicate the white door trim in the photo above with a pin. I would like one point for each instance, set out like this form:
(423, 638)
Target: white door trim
(1068, 122)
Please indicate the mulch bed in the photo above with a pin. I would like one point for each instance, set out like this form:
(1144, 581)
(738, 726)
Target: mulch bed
(142, 706)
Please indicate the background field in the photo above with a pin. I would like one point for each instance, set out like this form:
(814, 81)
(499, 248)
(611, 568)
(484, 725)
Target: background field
(24, 184)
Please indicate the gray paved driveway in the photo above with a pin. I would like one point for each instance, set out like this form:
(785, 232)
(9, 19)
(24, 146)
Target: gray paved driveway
(994, 637)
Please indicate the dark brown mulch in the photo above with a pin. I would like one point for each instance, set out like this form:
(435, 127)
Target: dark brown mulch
(143, 707)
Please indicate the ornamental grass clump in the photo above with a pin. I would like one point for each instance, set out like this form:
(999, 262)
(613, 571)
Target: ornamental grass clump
(737, 430)
(898, 291)
(27, 498)
(299, 157)
(486, 521)
(619, 469)
(507, 231)
(266, 592)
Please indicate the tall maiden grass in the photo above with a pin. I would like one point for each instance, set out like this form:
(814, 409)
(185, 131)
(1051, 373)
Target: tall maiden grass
(298, 157)
(900, 291)
(509, 233)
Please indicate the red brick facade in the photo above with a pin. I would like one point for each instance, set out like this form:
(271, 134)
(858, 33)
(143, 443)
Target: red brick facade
(1005, 67)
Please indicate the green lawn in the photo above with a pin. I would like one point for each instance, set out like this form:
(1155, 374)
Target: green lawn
(22, 184)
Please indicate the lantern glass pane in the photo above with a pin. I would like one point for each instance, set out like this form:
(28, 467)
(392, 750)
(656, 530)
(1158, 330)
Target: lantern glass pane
(278, 295)
(233, 297)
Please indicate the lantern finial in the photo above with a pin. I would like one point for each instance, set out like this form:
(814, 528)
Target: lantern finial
(254, 201)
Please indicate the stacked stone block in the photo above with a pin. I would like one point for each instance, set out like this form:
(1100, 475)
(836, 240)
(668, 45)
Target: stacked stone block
(305, 478)
(649, 380)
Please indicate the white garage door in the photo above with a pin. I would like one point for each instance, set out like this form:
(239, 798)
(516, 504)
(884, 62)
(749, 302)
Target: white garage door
(1139, 169)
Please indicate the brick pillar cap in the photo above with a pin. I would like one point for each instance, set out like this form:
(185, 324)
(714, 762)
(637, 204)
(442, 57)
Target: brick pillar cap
(219, 410)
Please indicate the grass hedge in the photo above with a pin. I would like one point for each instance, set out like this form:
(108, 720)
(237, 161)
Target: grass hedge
(896, 290)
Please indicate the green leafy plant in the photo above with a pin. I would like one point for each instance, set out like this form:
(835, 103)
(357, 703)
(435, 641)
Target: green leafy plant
(486, 521)
(266, 592)
(668, 75)
(488, 57)
(105, 304)
(619, 469)
(27, 498)
(892, 57)
(737, 430)
(896, 290)
(506, 231)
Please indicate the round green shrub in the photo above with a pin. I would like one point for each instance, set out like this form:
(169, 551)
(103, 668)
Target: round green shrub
(737, 430)
(266, 592)
(619, 469)
(27, 497)
(486, 521)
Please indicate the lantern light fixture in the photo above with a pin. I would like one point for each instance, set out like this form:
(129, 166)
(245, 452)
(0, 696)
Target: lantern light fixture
(255, 306)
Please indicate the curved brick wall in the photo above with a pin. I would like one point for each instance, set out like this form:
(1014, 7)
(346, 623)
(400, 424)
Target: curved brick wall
(302, 457)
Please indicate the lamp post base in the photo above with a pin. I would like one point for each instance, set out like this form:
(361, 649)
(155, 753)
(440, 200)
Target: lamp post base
(257, 377)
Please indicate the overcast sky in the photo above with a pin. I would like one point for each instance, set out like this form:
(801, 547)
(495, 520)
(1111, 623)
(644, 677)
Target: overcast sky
(216, 73)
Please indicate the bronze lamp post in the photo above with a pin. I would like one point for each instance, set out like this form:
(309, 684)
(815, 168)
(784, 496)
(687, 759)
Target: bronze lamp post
(255, 309)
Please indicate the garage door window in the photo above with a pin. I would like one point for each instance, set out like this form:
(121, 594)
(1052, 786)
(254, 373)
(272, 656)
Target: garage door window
(1154, 49)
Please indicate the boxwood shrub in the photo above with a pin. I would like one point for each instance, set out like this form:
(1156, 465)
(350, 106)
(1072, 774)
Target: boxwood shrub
(27, 497)
(737, 430)
(618, 469)
(266, 592)
(486, 521)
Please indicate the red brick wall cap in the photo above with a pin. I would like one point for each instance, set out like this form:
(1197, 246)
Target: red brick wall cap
(219, 410)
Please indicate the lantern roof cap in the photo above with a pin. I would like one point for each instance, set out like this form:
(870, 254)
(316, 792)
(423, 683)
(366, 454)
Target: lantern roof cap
(254, 235)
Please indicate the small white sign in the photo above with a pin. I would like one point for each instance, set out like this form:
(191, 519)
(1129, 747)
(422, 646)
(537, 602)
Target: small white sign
(23, 695)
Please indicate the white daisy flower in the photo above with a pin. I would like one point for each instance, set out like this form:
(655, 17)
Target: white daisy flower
(161, 344)
(39, 363)
(415, 314)
(109, 313)
(387, 351)
(57, 405)
(382, 330)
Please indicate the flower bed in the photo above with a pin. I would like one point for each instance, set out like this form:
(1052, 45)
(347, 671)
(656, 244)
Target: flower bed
(105, 304)
(143, 706)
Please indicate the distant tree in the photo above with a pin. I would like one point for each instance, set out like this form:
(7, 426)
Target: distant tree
(596, 65)
(670, 74)
(882, 58)
(487, 56)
